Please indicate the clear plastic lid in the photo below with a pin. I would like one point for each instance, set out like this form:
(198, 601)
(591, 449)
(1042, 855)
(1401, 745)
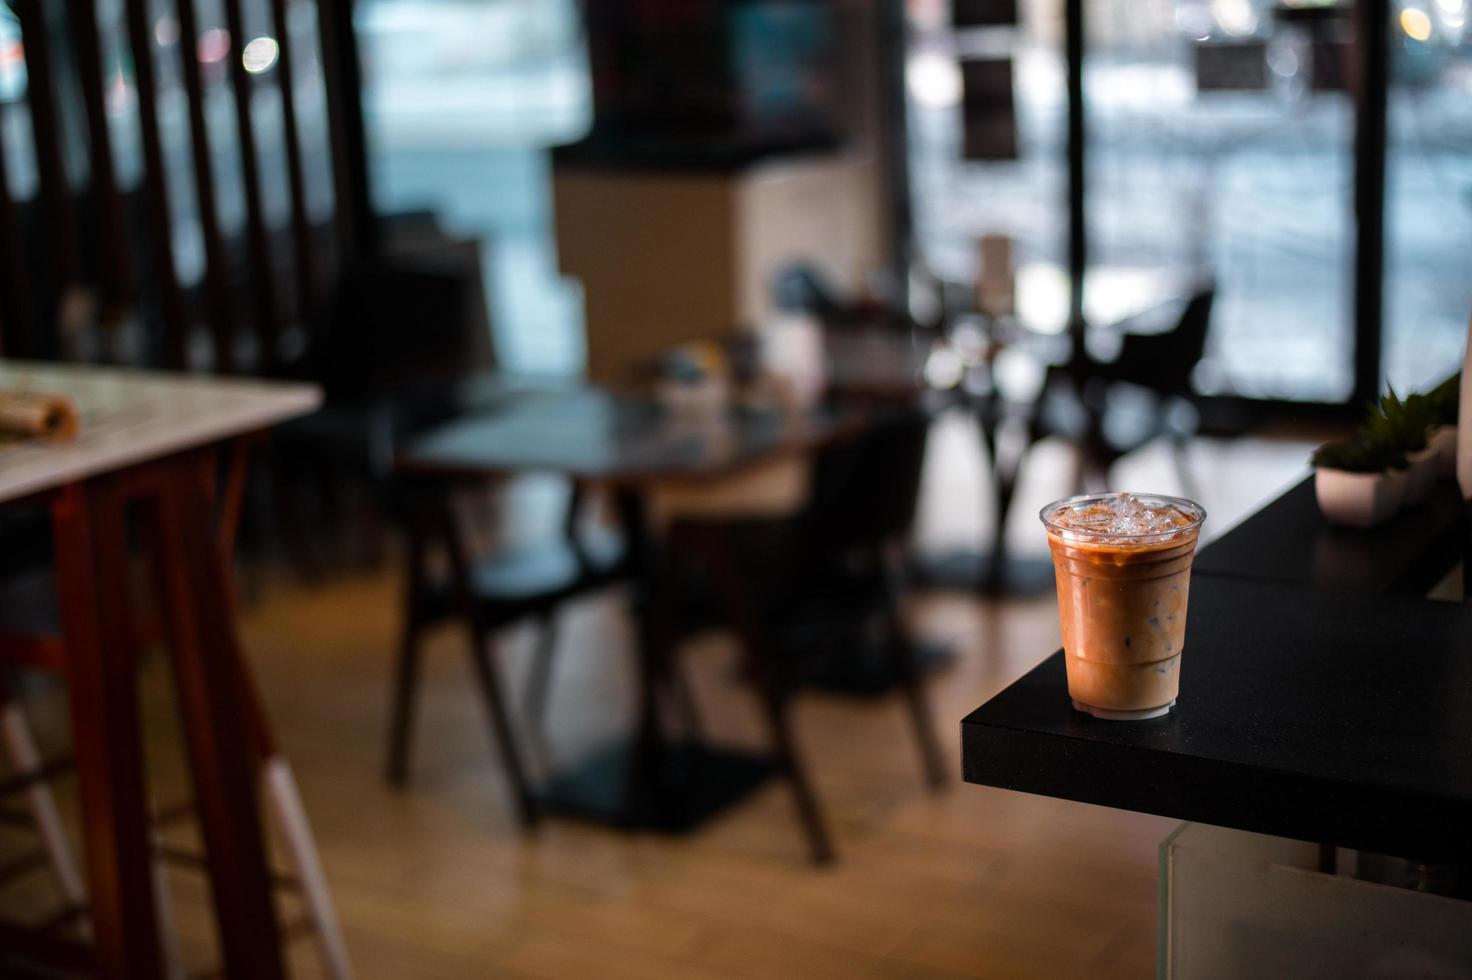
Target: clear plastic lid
(1122, 518)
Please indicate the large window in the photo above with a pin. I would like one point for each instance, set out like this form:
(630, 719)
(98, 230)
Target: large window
(1014, 186)
(1220, 140)
(463, 100)
(1428, 195)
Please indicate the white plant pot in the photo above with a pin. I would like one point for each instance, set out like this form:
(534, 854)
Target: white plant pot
(1422, 469)
(1359, 499)
(1443, 439)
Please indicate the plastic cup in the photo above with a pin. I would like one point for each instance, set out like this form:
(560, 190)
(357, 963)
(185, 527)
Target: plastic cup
(1122, 592)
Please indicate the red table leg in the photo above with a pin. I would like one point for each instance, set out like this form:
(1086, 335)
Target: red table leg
(102, 679)
(197, 613)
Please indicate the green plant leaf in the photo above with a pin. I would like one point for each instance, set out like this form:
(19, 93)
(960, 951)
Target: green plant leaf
(1357, 456)
(1396, 424)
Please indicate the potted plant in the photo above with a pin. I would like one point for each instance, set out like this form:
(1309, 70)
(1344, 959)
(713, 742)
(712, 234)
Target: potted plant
(1443, 401)
(1358, 483)
(1403, 426)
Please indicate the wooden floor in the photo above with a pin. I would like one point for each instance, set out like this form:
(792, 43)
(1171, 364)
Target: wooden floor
(967, 882)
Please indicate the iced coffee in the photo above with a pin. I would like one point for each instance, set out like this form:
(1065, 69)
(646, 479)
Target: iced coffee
(1123, 567)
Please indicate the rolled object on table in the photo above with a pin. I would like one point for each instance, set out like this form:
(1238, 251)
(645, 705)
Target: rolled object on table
(34, 413)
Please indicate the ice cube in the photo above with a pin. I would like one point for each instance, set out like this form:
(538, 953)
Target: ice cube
(1124, 515)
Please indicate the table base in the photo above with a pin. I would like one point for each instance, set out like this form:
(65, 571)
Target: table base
(694, 782)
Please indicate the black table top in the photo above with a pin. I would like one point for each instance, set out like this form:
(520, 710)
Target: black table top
(1289, 541)
(1329, 717)
(591, 434)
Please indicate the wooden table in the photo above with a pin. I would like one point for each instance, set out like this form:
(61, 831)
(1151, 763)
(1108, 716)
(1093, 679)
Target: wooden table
(145, 444)
(1316, 702)
(630, 447)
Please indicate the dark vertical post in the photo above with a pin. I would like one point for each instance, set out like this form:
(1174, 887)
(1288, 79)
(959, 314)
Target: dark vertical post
(1372, 20)
(306, 287)
(343, 77)
(107, 203)
(58, 233)
(155, 189)
(90, 531)
(198, 618)
(16, 304)
(268, 323)
(217, 269)
(892, 41)
(1078, 238)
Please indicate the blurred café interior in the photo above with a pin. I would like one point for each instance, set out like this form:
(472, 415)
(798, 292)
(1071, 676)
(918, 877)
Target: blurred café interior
(547, 488)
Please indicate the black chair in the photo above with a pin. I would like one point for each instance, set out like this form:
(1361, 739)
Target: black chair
(488, 593)
(1112, 408)
(801, 287)
(833, 568)
(395, 347)
(398, 351)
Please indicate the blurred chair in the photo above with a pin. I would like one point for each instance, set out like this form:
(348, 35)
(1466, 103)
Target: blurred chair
(1115, 407)
(396, 345)
(802, 287)
(400, 349)
(488, 593)
(799, 287)
(835, 565)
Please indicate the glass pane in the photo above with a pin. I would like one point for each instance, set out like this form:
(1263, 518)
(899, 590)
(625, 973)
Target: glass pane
(1221, 143)
(1428, 195)
(987, 118)
(463, 99)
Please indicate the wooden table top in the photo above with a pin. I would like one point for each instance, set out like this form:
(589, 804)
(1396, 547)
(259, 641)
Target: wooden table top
(591, 434)
(130, 417)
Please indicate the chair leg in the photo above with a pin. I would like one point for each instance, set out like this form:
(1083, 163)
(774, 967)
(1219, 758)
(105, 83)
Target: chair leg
(168, 934)
(406, 678)
(25, 758)
(296, 832)
(901, 647)
(684, 696)
(774, 706)
(285, 804)
(902, 650)
(538, 690)
(752, 626)
(482, 658)
(539, 678)
(487, 675)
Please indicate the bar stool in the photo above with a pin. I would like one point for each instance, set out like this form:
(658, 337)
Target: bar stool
(43, 649)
